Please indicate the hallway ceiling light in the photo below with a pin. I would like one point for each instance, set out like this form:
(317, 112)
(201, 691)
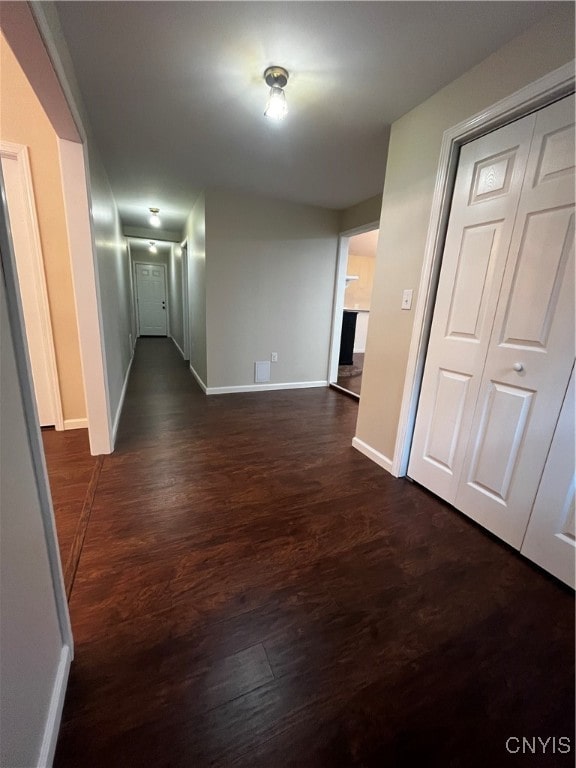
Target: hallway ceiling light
(276, 78)
(153, 248)
(154, 218)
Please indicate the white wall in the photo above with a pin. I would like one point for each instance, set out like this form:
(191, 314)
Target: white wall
(413, 157)
(196, 238)
(114, 285)
(34, 657)
(270, 285)
(175, 296)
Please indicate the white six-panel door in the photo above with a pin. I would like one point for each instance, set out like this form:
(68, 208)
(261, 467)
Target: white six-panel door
(151, 297)
(502, 340)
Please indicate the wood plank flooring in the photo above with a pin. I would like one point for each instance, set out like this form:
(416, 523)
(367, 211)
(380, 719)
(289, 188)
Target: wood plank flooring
(254, 592)
(73, 476)
(352, 384)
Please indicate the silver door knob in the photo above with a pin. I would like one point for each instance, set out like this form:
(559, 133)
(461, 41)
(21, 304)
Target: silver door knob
(518, 367)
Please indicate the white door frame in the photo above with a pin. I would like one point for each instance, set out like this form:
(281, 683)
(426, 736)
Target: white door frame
(538, 94)
(133, 311)
(19, 154)
(339, 292)
(185, 246)
(77, 207)
(150, 264)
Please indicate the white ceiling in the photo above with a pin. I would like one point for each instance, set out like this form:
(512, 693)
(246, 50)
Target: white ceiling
(175, 94)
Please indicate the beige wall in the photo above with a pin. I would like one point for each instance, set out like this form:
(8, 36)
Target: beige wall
(270, 286)
(408, 190)
(196, 238)
(366, 212)
(23, 121)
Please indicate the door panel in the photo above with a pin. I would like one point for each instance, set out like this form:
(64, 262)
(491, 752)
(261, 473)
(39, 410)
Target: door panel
(151, 290)
(486, 197)
(469, 296)
(540, 270)
(501, 432)
(442, 439)
(550, 538)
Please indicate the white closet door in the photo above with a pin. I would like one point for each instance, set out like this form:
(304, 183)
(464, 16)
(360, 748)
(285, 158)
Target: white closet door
(550, 537)
(485, 201)
(502, 341)
(531, 350)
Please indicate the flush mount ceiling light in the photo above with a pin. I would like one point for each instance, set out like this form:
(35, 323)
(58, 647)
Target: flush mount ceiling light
(154, 218)
(276, 78)
(153, 248)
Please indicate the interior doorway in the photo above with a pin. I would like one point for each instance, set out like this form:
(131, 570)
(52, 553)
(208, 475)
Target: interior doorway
(355, 277)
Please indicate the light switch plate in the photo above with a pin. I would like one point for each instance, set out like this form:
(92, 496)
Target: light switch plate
(407, 298)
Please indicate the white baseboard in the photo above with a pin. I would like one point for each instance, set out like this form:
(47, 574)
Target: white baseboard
(121, 402)
(372, 453)
(48, 746)
(198, 379)
(178, 347)
(75, 423)
(265, 387)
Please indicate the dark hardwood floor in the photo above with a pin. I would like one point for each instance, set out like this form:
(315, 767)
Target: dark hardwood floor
(352, 383)
(73, 476)
(254, 592)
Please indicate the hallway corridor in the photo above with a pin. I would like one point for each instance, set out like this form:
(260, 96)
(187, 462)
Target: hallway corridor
(252, 591)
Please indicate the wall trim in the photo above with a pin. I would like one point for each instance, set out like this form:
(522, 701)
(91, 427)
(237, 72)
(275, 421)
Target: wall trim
(185, 301)
(76, 423)
(540, 93)
(178, 347)
(52, 727)
(201, 384)
(121, 402)
(264, 387)
(372, 453)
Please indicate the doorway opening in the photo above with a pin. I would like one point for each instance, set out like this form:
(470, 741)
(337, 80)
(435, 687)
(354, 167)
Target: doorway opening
(353, 294)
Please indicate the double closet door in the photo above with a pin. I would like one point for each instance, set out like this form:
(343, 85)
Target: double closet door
(501, 348)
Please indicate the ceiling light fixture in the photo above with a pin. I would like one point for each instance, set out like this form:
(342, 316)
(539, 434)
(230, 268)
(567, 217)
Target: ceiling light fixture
(276, 78)
(154, 218)
(153, 248)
